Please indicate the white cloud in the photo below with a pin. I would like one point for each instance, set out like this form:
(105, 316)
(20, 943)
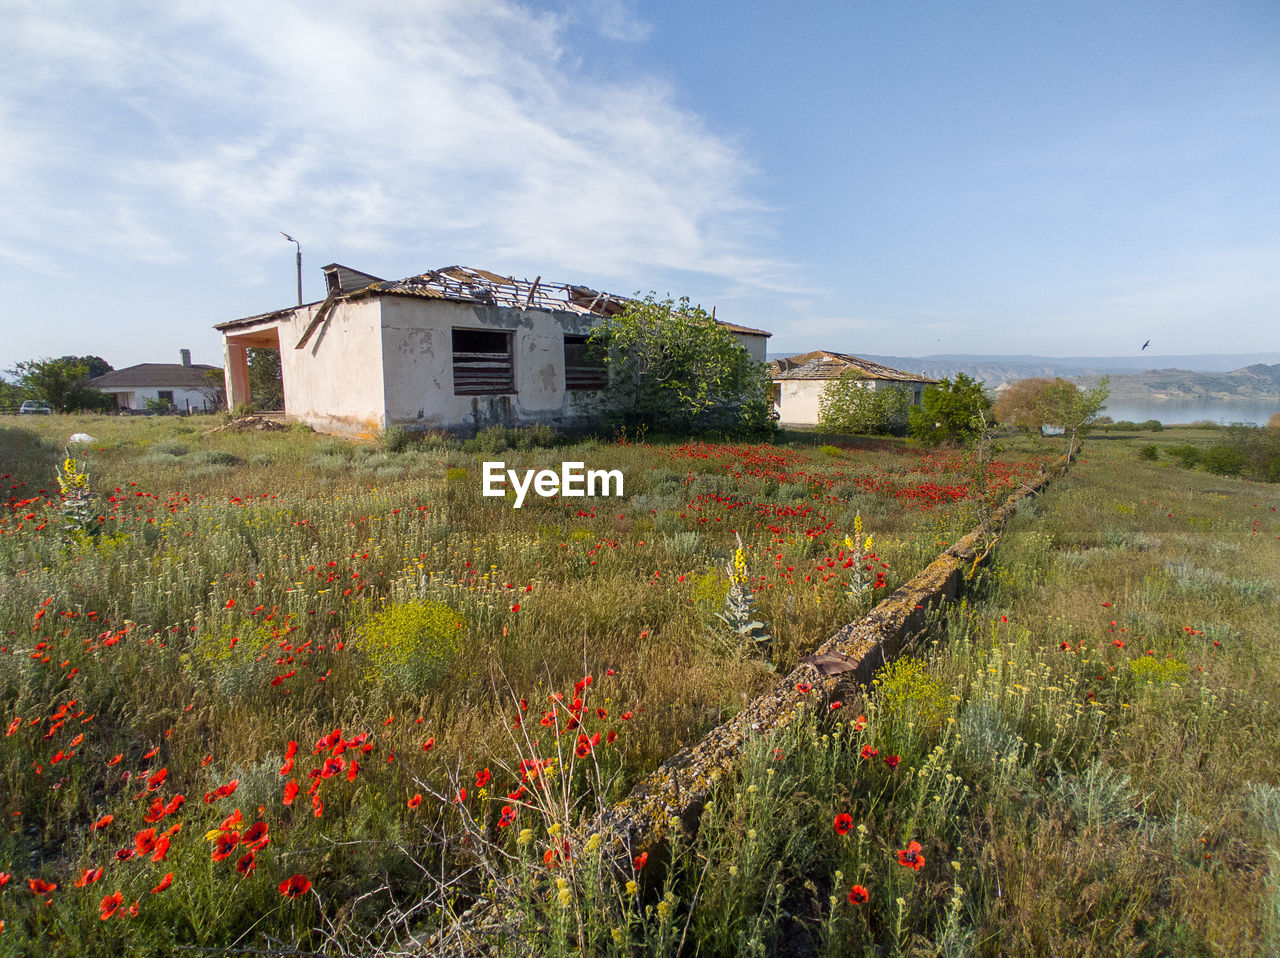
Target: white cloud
(452, 128)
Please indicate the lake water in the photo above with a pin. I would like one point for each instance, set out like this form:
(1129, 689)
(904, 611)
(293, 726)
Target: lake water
(1173, 411)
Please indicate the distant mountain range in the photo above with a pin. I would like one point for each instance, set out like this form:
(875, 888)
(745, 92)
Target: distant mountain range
(1253, 377)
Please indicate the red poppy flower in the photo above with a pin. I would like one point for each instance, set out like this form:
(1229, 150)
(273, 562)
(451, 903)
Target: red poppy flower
(482, 778)
(416, 800)
(144, 842)
(255, 836)
(858, 895)
(429, 744)
(295, 886)
(246, 863)
(290, 792)
(835, 705)
(868, 752)
(911, 857)
(161, 849)
(804, 688)
(892, 760)
(859, 723)
(88, 877)
(508, 816)
(116, 760)
(641, 860)
(843, 822)
(165, 882)
(41, 887)
(103, 822)
(224, 845)
(109, 905)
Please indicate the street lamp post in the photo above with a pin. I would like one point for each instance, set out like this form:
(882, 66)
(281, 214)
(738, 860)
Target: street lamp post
(299, 245)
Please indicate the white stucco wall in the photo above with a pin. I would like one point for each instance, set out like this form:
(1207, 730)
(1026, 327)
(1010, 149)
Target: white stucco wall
(183, 398)
(417, 358)
(799, 398)
(334, 383)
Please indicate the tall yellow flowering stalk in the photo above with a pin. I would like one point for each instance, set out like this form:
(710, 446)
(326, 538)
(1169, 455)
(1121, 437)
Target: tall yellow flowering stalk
(77, 499)
(745, 632)
(861, 551)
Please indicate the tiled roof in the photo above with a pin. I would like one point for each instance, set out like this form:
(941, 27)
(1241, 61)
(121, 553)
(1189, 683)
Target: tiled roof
(824, 364)
(163, 375)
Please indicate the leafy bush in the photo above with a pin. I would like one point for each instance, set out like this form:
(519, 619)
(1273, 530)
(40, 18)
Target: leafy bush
(1151, 425)
(847, 406)
(396, 439)
(951, 411)
(1223, 460)
(217, 457)
(411, 644)
(674, 368)
(1187, 456)
(1149, 453)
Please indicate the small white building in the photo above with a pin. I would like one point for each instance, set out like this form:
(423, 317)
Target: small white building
(186, 386)
(455, 348)
(798, 382)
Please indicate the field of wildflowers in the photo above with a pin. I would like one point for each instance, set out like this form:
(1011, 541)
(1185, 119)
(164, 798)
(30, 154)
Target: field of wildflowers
(278, 691)
(1082, 760)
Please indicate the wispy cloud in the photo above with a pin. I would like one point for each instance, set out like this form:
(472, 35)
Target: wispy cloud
(455, 130)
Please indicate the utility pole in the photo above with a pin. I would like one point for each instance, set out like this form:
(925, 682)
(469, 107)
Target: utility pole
(299, 245)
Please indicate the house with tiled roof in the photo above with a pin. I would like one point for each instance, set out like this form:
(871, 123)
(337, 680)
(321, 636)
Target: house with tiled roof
(455, 348)
(798, 382)
(185, 386)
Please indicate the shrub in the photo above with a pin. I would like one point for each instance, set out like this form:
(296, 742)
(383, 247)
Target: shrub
(396, 439)
(1187, 456)
(674, 368)
(1149, 453)
(217, 457)
(1223, 460)
(1158, 671)
(847, 406)
(411, 644)
(951, 411)
(1151, 425)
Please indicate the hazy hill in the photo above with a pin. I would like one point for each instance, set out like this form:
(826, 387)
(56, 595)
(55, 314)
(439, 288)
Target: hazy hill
(1243, 376)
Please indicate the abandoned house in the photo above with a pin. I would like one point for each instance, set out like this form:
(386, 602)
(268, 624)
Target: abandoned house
(185, 387)
(455, 348)
(798, 382)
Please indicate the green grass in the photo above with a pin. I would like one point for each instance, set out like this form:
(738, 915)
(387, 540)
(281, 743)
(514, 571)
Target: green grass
(224, 594)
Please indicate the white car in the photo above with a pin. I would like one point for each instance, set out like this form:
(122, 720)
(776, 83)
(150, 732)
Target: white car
(35, 407)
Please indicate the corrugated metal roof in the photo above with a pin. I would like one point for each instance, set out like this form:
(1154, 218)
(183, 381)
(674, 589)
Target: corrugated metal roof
(825, 364)
(465, 284)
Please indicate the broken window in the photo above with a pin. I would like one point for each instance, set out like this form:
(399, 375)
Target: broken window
(165, 395)
(584, 364)
(482, 363)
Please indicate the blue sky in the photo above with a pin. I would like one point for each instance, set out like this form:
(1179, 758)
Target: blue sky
(885, 178)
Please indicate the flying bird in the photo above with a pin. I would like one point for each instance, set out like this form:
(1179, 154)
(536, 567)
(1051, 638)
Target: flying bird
(1145, 345)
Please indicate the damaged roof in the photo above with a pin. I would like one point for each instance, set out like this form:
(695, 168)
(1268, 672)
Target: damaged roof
(825, 364)
(464, 284)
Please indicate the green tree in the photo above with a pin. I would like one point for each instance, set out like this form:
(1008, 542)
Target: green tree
(1030, 404)
(674, 368)
(266, 387)
(953, 411)
(62, 383)
(95, 365)
(848, 406)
